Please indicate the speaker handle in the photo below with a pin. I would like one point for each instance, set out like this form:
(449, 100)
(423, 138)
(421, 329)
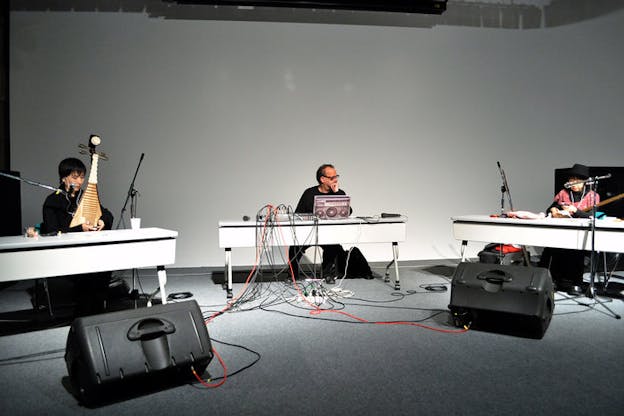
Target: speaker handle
(150, 328)
(152, 332)
(495, 276)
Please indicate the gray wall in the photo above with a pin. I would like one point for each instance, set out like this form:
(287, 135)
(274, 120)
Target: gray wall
(233, 115)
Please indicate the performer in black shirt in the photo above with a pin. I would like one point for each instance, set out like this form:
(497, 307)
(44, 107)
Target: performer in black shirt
(90, 290)
(59, 207)
(327, 179)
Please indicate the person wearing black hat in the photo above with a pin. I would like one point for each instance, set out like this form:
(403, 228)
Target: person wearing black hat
(567, 266)
(577, 200)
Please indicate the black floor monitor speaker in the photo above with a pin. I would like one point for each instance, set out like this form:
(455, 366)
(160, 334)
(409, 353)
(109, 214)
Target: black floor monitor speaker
(124, 354)
(515, 300)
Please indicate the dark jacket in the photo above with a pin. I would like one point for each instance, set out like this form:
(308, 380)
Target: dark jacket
(58, 210)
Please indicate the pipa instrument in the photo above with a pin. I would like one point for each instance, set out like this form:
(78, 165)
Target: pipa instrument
(89, 210)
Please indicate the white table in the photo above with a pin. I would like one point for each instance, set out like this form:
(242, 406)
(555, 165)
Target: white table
(87, 252)
(571, 233)
(354, 230)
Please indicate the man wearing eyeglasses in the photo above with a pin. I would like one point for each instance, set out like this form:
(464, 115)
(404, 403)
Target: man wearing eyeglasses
(327, 179)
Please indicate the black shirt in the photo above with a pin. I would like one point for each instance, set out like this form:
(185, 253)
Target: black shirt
(306, 202)
(58, 210)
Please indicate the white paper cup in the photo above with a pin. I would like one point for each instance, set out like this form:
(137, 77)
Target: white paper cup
(135, 223)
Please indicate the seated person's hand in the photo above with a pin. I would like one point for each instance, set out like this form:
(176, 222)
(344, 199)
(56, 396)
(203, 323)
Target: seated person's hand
(557, 213)
(87, 226)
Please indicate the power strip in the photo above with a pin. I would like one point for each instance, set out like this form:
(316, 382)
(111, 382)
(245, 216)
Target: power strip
(312, 299)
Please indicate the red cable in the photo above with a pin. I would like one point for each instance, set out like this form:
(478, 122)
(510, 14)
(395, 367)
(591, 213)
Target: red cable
(292, 273)
(203, 383)
(449, 331)
(318, 310)
(251, 273)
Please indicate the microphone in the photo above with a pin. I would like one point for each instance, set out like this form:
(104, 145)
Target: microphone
(569, 185)
(588, 181)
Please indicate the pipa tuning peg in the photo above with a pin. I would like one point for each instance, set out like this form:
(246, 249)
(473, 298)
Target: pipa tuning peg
(89, 150)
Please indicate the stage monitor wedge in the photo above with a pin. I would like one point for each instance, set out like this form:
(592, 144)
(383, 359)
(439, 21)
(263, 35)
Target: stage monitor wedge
(399, 6)
(515, 300)
(125, 354)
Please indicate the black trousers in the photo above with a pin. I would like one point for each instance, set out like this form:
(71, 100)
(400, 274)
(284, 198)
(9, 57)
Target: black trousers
(331, 252)
(86, 293)
(566, 266)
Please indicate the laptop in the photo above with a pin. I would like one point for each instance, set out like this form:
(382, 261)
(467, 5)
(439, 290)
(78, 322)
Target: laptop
(332, 207)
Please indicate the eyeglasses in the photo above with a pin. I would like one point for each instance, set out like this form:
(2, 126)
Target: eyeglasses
(331, 178)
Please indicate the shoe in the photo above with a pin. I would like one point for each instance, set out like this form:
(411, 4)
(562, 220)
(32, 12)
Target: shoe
(563, 285)
(575, 290)
(328, 270)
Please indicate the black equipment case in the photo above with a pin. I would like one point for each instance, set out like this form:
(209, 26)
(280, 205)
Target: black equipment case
(512, 299)
(494, 253)
(138, 349)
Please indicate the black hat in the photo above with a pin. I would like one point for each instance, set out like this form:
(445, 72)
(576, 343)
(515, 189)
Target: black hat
(578, 171)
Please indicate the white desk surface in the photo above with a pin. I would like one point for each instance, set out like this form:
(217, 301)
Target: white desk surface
(542, 222)
(20, 242)
(298, 222)
(307, 232)
(572, 233)
(85, 252)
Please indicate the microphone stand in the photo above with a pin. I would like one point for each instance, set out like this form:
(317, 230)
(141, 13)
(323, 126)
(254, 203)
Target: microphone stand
(132, 196)
(28, 181)
(505, 190)
(591, 291)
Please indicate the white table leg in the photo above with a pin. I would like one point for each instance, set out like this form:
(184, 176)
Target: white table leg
(162, 281)
(228, 272)
(464, 245)
(395, 256)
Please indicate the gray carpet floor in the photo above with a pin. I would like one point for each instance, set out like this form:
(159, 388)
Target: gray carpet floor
(349, 360)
